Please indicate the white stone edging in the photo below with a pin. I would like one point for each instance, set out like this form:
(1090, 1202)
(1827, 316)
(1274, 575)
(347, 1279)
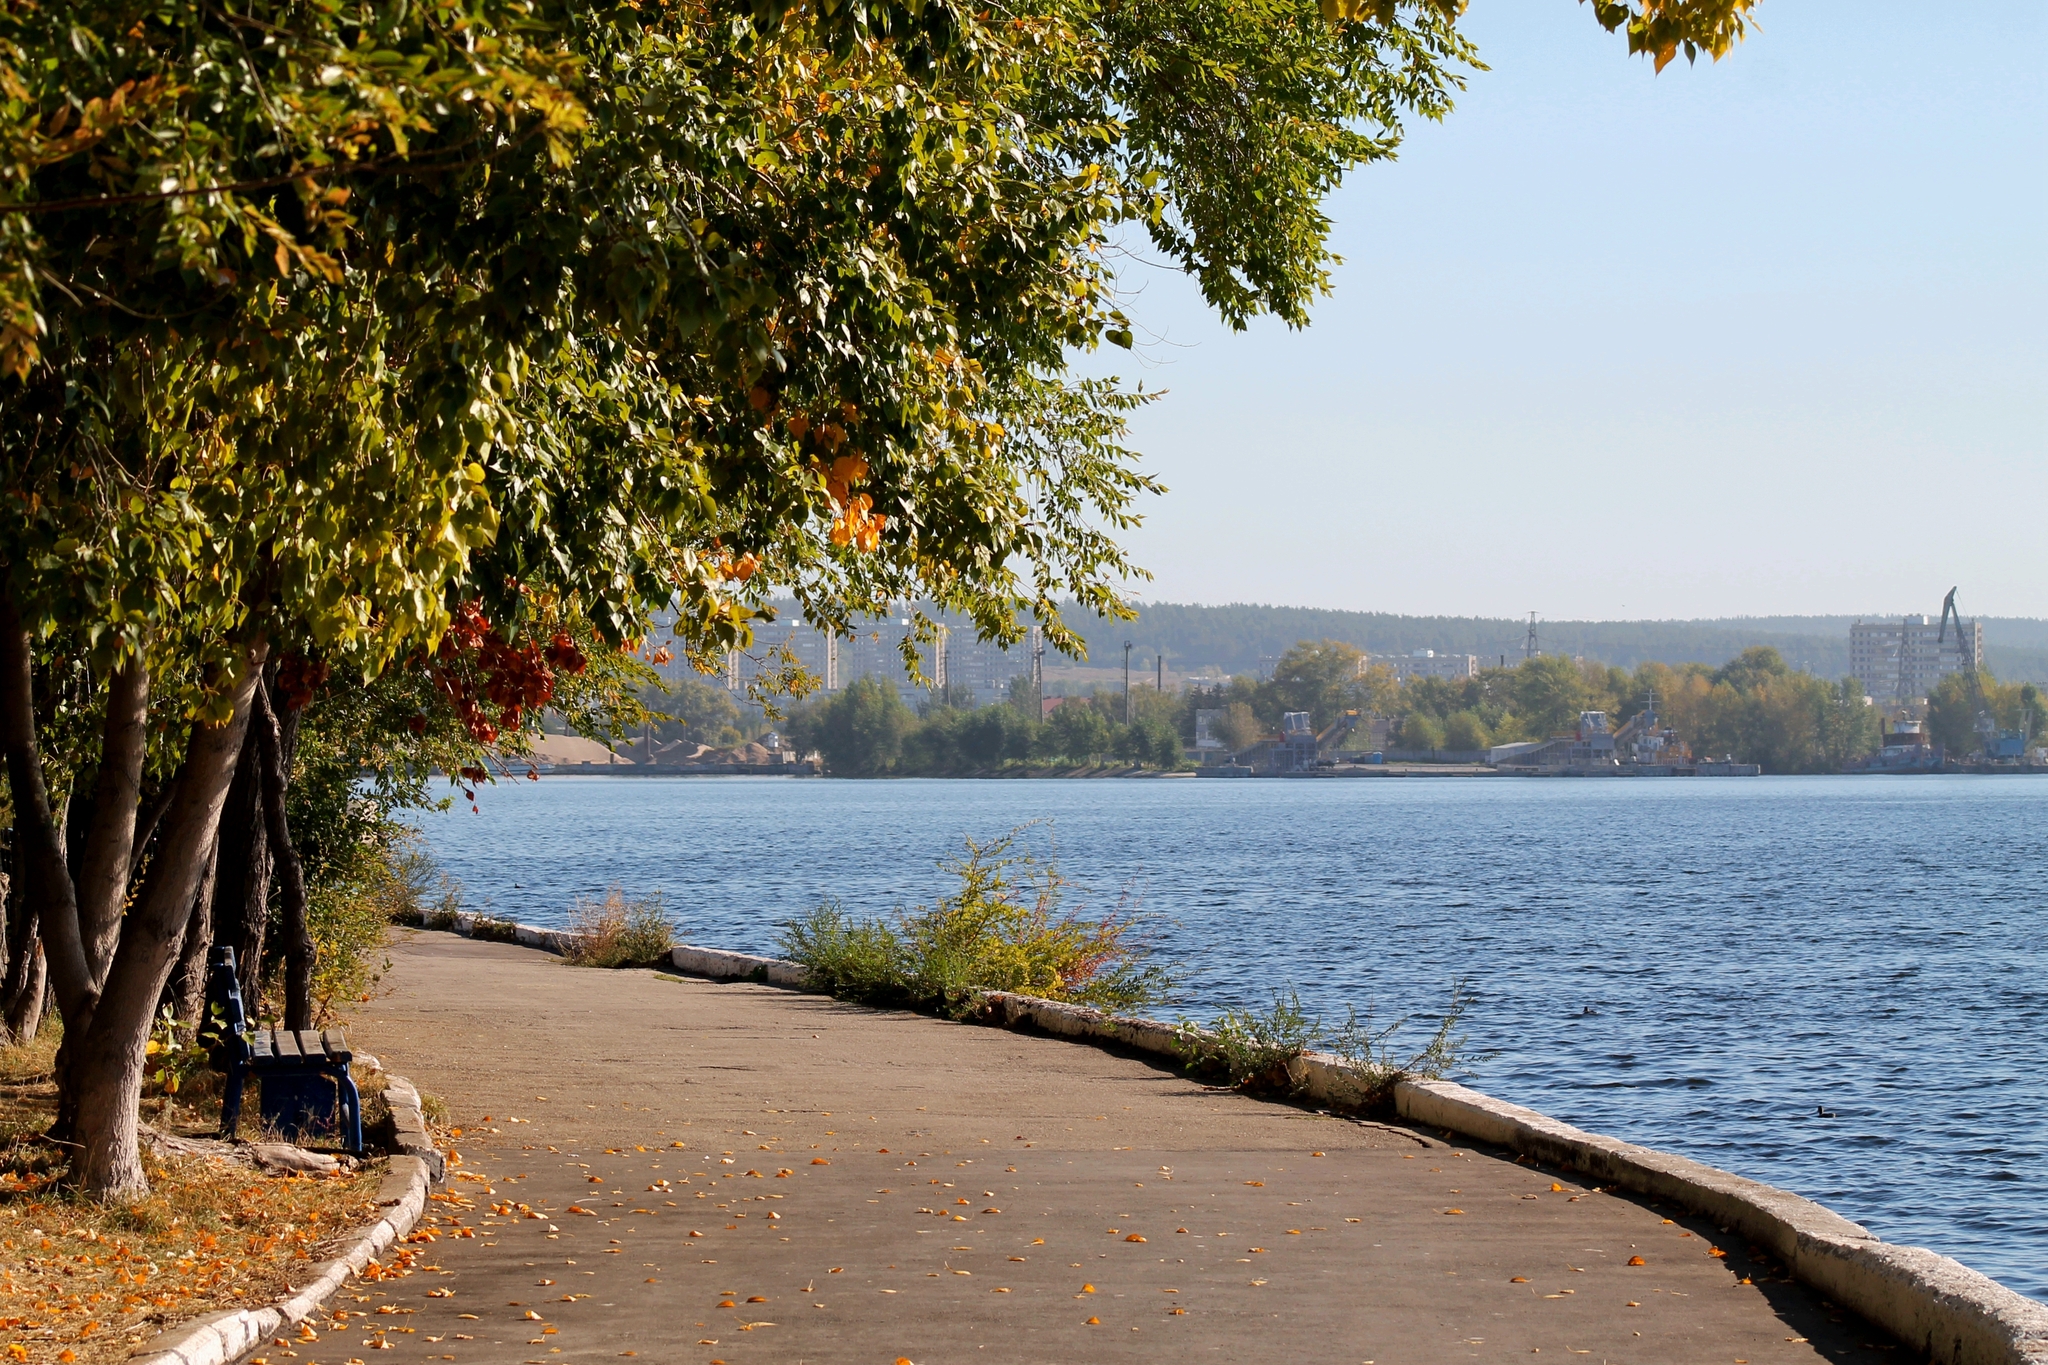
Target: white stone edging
(1932, 1303)
(223, 1337)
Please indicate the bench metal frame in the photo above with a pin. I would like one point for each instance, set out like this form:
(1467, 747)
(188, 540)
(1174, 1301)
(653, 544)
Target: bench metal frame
(306, 1085)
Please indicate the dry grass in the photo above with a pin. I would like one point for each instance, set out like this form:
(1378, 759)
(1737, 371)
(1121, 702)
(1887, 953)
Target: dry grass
(620, 932)
(82, 1281)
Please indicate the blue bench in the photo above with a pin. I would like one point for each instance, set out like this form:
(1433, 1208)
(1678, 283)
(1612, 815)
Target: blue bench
(303, 1073)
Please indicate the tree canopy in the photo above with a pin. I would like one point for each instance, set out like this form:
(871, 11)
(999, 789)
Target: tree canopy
(432, 349)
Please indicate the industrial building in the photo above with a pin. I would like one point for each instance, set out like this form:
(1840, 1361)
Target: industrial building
(1427, 663)
(1902, 660)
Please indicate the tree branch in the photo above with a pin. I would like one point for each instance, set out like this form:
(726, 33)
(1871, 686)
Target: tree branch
(46, 879)
(298, 936)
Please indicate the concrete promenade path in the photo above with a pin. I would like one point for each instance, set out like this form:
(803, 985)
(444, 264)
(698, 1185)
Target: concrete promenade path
(737, 1173)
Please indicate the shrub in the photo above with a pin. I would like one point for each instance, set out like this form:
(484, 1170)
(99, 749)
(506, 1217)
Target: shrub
(493, 930)
(844, 956)
(1254, 1048)
(1001, 931)
(1369, 1054)
(617, 932)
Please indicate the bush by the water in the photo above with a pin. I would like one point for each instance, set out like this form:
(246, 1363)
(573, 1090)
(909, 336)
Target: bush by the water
(620, 932)
(1003, 930)
(1253, 1048)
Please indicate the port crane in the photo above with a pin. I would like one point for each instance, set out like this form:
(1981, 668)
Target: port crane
(1987, 727)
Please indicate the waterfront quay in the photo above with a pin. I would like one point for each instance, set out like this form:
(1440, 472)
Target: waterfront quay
(738, 1173)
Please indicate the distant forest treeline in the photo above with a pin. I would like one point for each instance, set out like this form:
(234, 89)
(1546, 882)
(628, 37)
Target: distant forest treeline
(1249, 638)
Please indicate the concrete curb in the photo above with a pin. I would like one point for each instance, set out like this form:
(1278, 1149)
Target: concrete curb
(724, 966)
(227, 1336)
(714, 963)
(1930, 1302)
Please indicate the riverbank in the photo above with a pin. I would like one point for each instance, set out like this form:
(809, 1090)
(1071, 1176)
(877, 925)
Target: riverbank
(882, 1185)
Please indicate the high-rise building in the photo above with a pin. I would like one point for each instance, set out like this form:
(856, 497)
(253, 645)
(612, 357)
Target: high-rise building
(958, 659)
(1902, 660)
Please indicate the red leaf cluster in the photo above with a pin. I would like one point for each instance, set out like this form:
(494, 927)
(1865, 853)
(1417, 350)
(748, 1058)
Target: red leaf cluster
(298, 678)
(491, 682)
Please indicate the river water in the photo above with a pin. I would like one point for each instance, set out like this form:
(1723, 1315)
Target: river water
(1700, 965)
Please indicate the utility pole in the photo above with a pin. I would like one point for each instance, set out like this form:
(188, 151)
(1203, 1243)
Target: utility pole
(1127, 682)
(1529, 644)
(1160, 685)
(1038, 669)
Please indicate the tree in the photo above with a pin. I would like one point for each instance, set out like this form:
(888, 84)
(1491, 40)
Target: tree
(1550, 691)
(688, 708)
(349, 330)
(1237, 727)
(1079, 732)
(1421, 730)
(1952, 713)
(1846, 726)
(1465, 730)
(995, 735)
(1320, 678)
(2031, 717)
(1661, 29)
(1157, 743)
(1752, 669)
(860, 731)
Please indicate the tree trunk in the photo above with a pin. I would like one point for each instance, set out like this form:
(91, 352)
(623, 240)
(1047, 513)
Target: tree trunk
(39, 855)
(241, 881)
(186, 993)
(110, 1063)
(298, 936)
(25, 1004)
(100, 875)
(21, 991)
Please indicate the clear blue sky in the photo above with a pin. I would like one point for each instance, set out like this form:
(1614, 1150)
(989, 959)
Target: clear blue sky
(1757, 337)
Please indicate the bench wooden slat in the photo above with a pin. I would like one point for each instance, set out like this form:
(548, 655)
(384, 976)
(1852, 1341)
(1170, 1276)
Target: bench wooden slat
(335, 1042)
(286, 1042)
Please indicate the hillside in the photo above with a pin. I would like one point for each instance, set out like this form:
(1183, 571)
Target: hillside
(1241, 637)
